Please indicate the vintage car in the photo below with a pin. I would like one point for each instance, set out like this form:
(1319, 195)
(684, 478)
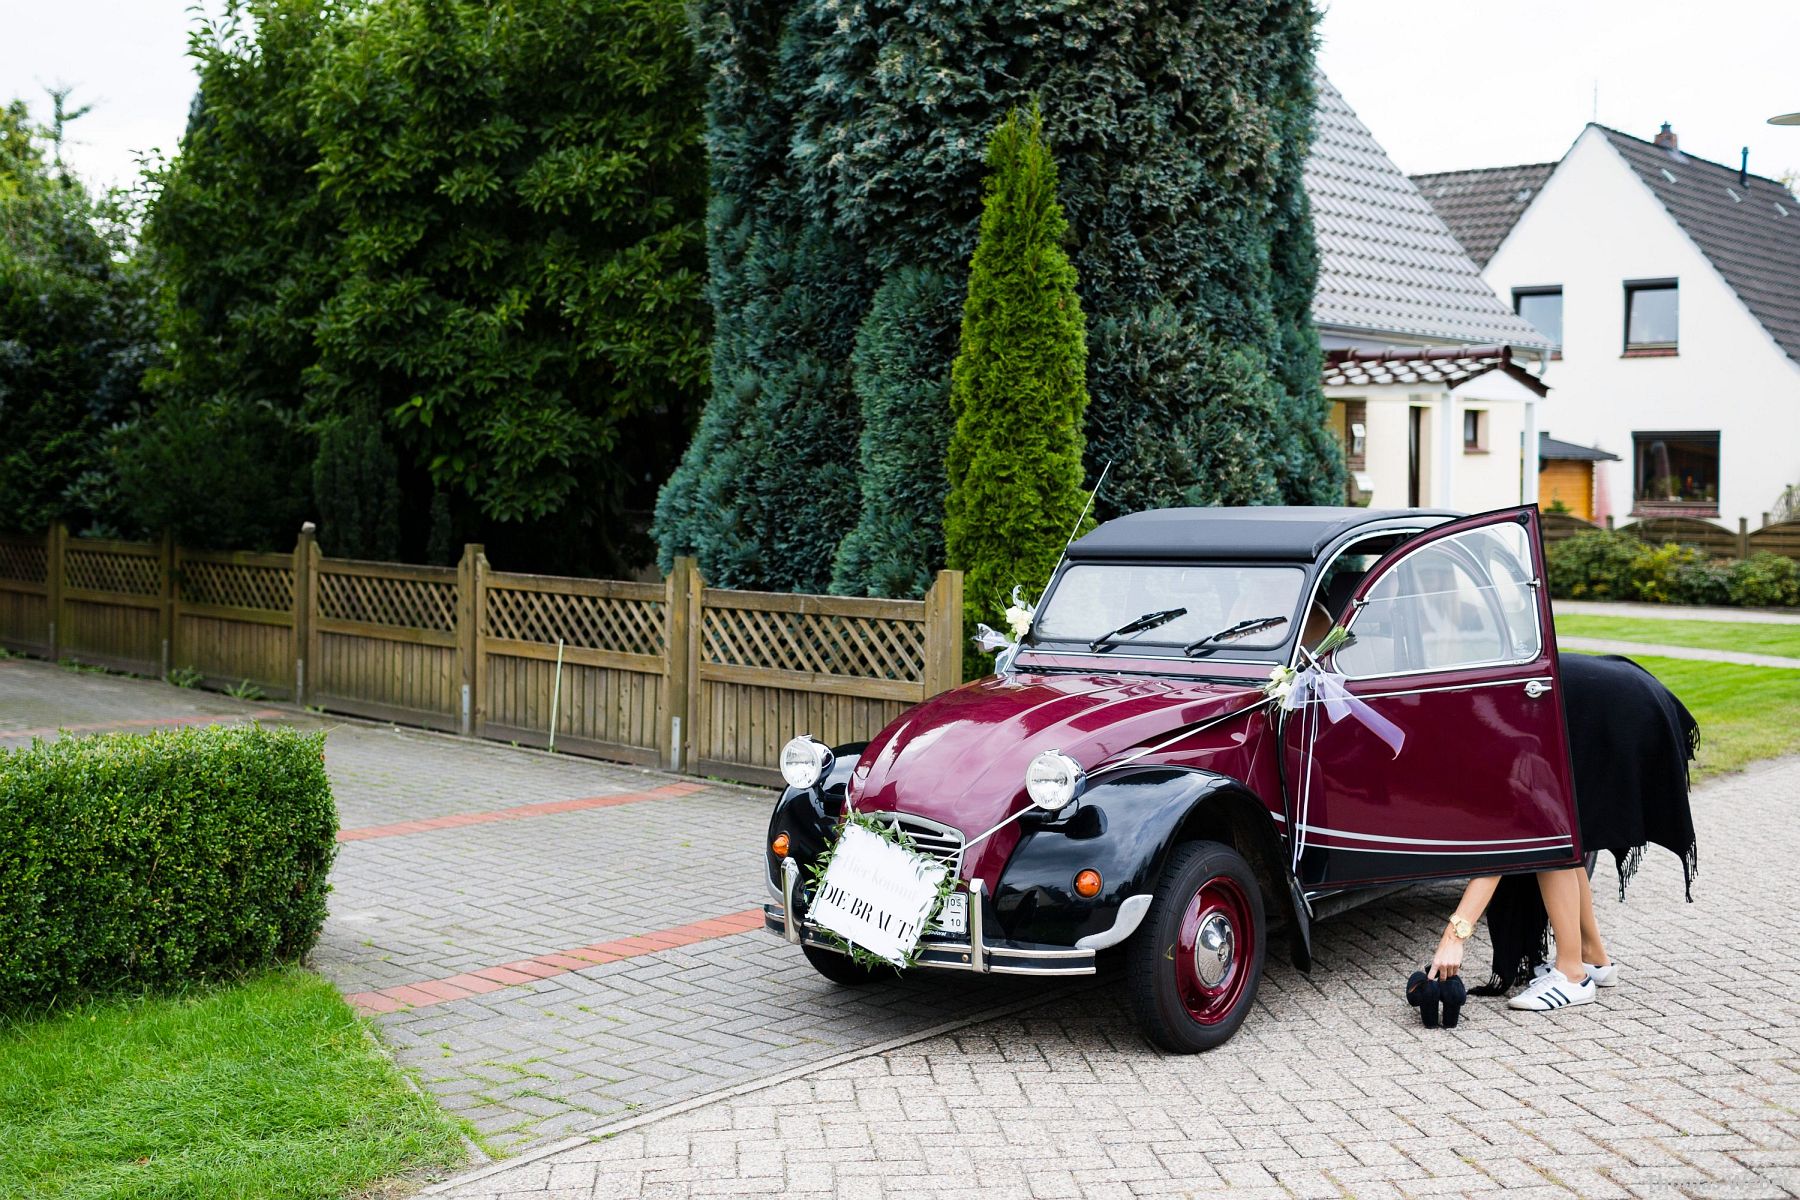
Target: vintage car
(1135, 777)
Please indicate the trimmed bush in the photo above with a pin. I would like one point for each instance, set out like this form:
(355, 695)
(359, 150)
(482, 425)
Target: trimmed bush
(1593, 566)
(1765, 579)
(1656, 571)
(148, 860)
(1703, 583)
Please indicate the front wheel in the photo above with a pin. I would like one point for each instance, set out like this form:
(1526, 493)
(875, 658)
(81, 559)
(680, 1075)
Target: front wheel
(1194, 966)
(841, 968)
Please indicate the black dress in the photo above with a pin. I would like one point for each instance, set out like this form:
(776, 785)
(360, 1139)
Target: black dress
(1630, 743)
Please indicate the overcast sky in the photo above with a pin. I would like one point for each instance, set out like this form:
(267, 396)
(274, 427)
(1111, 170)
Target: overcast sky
(1443, 84)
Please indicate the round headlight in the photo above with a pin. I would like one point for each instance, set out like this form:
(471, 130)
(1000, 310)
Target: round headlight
(804, 761)
(1052, 780)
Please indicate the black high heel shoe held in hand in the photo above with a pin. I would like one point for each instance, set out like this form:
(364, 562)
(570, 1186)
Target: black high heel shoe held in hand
(1422, 992)
(1454, 993)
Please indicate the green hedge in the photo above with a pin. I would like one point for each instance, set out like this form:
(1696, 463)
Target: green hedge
(1604, 565)
(133, 860)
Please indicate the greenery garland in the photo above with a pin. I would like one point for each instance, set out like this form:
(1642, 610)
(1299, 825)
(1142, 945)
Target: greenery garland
(897, 836)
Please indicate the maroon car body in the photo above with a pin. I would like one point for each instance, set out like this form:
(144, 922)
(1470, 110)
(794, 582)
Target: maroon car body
(1210, 812)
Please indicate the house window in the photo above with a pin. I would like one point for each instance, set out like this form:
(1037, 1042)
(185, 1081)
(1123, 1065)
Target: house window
(1356, 433)
(1676, 472)
(1475, 430)
(1542, 309)
(1651, 317)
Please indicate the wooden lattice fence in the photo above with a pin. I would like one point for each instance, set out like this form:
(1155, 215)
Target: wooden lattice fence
(25, 595)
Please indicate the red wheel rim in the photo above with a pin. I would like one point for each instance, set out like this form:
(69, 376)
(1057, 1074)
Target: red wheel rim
(1214, 950)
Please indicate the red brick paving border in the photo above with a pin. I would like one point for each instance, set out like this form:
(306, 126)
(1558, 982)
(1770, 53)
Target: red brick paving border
(142, 722)
(548, 807)
(545, 966)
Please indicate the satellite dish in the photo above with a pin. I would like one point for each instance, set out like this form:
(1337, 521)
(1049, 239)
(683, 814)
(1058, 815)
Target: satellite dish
(1792, 118)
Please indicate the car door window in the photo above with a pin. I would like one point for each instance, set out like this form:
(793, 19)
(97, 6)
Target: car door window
(1464, 601)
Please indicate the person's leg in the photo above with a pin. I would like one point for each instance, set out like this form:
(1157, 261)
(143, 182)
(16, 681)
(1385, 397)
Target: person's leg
(1562, 900)
(1593, 948)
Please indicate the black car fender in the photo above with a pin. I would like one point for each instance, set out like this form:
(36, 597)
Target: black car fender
(1124, 827)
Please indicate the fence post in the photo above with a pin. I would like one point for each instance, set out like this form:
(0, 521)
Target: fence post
(1609, 522)
(53, 585)
(166, 563)
(672, 739)
(478, 703)
(470, 602)
(304, 546)
(1743, 546)
(943, 633)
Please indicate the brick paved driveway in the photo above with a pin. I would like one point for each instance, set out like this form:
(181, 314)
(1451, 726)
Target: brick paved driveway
(550, 945)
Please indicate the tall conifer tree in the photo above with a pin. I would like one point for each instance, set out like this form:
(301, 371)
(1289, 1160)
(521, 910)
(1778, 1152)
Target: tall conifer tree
(1019, 386)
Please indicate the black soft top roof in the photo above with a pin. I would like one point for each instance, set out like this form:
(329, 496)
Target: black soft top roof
(1270, 532)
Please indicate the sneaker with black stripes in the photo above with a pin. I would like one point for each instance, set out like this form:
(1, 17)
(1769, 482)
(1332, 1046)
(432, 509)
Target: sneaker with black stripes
(1552, 990)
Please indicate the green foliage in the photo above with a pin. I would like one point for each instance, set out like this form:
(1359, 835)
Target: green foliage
(1657, 571)
(1181, 132)
(185, 677)
(75, 333)
(265, 1088)
(358, 499)
(1018, 388)
(518, 191)
(902, 381)
(1603, 565)
(132, 860)
(1765, 580)
(1593, 566)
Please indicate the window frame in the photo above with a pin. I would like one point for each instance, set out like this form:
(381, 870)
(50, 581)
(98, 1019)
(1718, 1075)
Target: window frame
(1546, 289)
(1631, 349)
(1480, 444)
(1664, 508)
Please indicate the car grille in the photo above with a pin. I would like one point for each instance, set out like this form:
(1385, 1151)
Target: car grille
(942, 842)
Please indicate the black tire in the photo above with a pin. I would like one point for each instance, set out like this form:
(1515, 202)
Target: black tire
(1204, 884)
(842, 969)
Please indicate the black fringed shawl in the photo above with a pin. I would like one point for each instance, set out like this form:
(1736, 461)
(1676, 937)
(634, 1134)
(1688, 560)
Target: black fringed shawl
(1630, 742)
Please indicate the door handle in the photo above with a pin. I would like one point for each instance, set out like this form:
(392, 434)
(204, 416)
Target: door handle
(1535, 688)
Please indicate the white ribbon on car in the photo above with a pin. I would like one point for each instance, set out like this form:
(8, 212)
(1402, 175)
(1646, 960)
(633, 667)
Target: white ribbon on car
(1315, 688)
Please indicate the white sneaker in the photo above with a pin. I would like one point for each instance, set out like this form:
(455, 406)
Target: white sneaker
(1552, 990)
(1607, 976)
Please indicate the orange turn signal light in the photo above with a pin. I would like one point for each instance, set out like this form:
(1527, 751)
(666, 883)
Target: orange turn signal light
(1087, 883)
(779, 847)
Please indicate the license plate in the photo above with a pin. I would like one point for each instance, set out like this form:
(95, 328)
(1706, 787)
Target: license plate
(954, 916)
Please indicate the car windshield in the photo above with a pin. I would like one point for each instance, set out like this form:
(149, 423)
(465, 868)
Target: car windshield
(1091, 599)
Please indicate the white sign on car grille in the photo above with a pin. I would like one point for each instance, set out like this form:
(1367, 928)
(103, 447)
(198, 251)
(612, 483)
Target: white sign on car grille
(876, 895)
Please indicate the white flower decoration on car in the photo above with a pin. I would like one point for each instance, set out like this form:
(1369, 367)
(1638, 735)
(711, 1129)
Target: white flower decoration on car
(1019, 616)
(1281, 682)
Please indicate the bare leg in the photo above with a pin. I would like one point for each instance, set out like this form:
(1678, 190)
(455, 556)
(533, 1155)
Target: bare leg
(1593, 949)
(1562, 900)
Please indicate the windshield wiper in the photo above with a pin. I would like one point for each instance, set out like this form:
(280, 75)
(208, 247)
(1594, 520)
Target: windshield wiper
(1143, 624)
(1241, 629)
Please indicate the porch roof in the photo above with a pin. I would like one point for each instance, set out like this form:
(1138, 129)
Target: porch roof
(1449, 366)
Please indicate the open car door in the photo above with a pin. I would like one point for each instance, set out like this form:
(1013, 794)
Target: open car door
(1454, 658)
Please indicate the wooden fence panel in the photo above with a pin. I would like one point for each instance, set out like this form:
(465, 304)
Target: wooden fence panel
(24, 595)
(383, 642)
(234, 619)
(1559, 527)
(1783, 537)
(1688, 531)
(114, 601)
(610, 694)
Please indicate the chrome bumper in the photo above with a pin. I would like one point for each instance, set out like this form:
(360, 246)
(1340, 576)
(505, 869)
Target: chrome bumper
(975, 954)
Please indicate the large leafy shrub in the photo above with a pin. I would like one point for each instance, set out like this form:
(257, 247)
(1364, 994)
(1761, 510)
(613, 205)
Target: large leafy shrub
(1657, 573)
(1765, 580)
(1018, 389)
(1594, 566)
(154, 859)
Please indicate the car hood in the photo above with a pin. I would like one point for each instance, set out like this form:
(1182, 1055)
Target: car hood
(960, 757)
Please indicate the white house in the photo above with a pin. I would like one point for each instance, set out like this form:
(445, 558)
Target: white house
(1422, 357)
(1671, 287)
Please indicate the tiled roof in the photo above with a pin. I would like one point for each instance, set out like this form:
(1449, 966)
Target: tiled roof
(1387, 263)
(1481, 206)
(1749, 232)
(1549, 447)
(1448, 367)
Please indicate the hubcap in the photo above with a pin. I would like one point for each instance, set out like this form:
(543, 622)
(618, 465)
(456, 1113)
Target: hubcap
(1214, 950)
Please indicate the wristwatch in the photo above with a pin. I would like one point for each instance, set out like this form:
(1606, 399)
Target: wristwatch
(1461, 928)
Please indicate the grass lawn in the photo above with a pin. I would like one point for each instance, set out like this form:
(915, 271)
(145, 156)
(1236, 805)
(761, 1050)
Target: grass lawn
(1745, 713)
(1744, 637)
(265, 1088)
